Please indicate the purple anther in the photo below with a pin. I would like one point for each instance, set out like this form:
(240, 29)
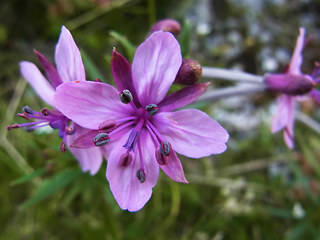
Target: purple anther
(165, 148)
(126, 96)
(12, 126)
(24, 115)
(108, 125)
(101, 139)
(126, 159)
(141, 175)
(152, 109)
(62, 147)
(161, 159)
(27, 109)
(45, 111)
(70, 130)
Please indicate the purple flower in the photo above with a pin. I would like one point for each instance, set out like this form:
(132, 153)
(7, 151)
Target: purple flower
(69, 68)
(138, 130)
(293, 84)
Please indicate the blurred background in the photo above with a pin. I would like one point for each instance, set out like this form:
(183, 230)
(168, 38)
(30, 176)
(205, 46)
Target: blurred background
(257, 189)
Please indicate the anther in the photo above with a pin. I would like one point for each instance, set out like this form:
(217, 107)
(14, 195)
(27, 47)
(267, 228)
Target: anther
(141, 175)
(108, 125)
(161, 159)
(70, 130)
(62, 147)
(27, 109)
(126, 96)
(12, 126)
(125, 159)
(24, 115)
(165, 148)
(101, 139)
(152, 109)
(45, 111)
(97, 80)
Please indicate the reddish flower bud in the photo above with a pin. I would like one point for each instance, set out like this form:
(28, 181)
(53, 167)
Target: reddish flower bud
(189, 73)
(289, 83)
(167, 25)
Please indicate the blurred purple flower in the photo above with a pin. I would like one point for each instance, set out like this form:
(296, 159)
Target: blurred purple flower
(69, 69)
(293, 84)
(142, 135)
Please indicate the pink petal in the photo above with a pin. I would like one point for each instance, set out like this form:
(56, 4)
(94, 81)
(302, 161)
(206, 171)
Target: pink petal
(121, 71)
(84, 140)
(192, 133)
(50, 70)
(155, 66)
(296, 59)
(89, 159)
(124, 184)
(182, 97)
(68, 58)
(174, 168)
(285, 107)
(90, 103)
(35, 78)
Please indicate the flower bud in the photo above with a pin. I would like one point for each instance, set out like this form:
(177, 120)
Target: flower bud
(167, 25)
(189, 73)
(290, 84)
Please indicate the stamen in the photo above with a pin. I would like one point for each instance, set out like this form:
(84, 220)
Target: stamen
(161, 159)
(70, 130)
(62, 147)
(152, 109)
(101, 139)
(108, 125)
(97, 80)
(24, 115)
(165, 148)
(126, 159)
(45, 111)
(27, 109)
(141, 175)
(16, 125)
(126, 96)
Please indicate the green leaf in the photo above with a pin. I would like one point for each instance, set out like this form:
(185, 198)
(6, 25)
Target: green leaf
(51, 186)
(129, 47)
(91, 69)
(282, 213)
(28, 177)
(297, 231)
(185, 39)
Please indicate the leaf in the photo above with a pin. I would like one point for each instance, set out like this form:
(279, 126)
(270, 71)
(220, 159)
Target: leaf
(185, 39)
(129, 47)
(297, 231)
(51, 186)
(90, 67)
(28, 177)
